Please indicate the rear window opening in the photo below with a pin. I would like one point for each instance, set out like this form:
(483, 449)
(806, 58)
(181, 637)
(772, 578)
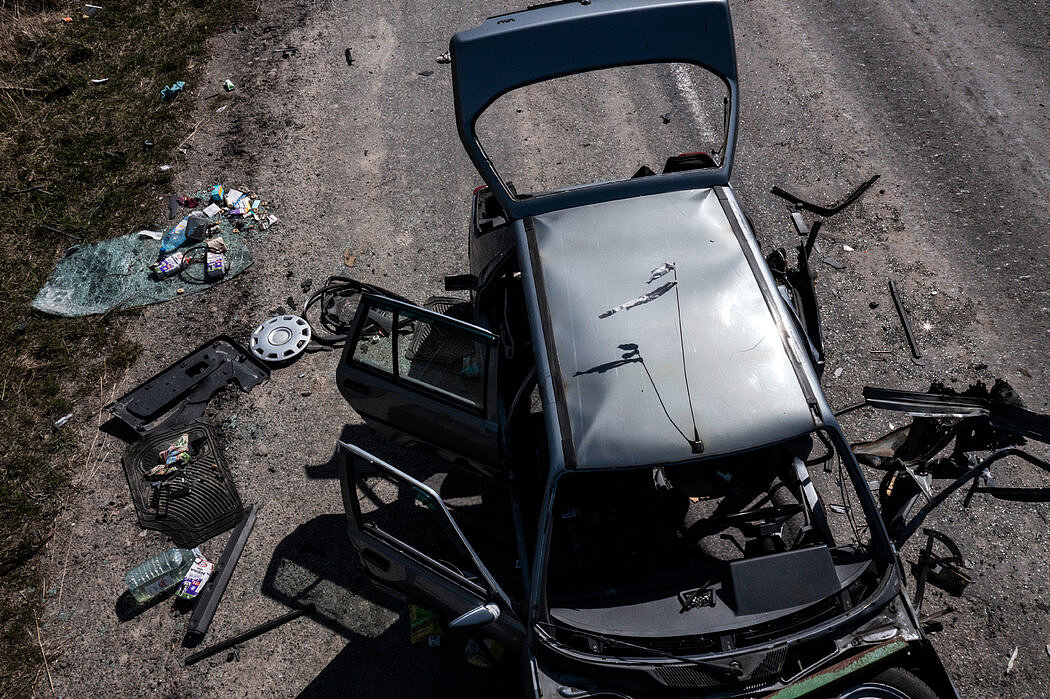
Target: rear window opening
(619, 120)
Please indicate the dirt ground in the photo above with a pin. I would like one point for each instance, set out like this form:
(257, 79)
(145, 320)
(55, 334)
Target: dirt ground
(945, 100)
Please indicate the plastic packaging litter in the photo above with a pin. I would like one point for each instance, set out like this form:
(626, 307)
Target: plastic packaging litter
(175, 237)
(217, 193)
(196, 577)
(212, 210)
(228, 84)
(196, 225)
(169, 91)
(162, 572)
(186, 228)
(215, 259)
(170, 265)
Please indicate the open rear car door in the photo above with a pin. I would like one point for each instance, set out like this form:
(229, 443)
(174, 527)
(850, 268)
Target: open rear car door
(407, 540)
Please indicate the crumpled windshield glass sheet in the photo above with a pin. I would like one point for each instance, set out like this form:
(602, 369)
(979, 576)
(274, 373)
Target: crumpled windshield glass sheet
(98, 277)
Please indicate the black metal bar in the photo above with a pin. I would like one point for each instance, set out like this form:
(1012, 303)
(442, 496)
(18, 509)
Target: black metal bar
(830, 209)
(973, 473)
(850, 408)
(905, 322)
(211, 595)
(248, 635)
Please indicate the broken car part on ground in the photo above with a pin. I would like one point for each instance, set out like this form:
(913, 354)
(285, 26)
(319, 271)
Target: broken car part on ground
(643, 489)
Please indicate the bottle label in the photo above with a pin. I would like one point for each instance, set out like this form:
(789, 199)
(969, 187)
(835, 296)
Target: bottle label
(160, 585)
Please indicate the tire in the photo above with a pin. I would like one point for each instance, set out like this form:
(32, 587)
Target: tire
(891, 683)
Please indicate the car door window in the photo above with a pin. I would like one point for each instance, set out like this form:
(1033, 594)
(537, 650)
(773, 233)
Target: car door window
(408, 515)
(445, 357)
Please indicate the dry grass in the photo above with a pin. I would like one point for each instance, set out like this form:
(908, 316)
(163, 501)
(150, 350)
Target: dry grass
(72, 167)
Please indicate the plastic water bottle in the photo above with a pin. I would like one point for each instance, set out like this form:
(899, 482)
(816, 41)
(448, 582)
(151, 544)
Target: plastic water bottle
(163, 571)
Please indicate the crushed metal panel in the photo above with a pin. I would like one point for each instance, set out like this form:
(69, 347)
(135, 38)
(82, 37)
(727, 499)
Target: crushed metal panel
(622, 375)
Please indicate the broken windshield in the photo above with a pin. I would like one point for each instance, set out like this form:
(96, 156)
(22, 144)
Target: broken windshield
(620, 119)
(708, 547)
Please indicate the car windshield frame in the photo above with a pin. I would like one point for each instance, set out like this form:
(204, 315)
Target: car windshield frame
(878, 550)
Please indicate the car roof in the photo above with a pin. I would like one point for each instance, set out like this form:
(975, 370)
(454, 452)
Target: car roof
(545, 42)
(618, 379)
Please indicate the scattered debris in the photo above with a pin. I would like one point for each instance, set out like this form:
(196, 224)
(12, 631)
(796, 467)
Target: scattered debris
(832, 262)
(830, 209)
(349, 58)
(160, 573)
(248, 635)
(269, 221)
(63, 420)
(1013, 659)
(667, 116)
(90, 10)
(98, 277)
(171, 91)
(211, 595)
(98, 81)
(305, 285)
(847, 248)
(425, 73)
(195, 578)
(165, 168)
(944, 571)
(193, 203)
(423, 625)
(838, 372)
(977, 420)
(228, 85)
(444, 58)
(349, 259)
(172, 264)
(215, 259)
(916, 357)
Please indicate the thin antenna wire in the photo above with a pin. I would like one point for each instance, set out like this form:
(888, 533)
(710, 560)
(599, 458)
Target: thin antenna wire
(698, 446)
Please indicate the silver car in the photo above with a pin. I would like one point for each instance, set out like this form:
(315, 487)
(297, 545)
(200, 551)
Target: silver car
(641, 490)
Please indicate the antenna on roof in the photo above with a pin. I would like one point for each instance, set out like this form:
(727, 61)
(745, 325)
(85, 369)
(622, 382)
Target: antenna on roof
(695, 443)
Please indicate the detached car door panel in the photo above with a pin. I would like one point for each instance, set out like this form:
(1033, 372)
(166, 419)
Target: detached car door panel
(407, 540)
(425, 375)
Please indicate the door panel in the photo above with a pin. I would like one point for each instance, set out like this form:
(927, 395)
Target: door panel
(407, 539)
(428, 376)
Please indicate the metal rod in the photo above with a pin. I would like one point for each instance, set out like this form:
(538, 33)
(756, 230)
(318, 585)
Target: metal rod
(916, 356)
(212, 593)
(248, 635)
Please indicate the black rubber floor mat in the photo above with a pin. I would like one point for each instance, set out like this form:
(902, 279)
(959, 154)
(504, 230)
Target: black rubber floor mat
(211, 505)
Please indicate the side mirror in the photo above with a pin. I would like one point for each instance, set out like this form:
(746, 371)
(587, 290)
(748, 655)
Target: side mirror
(478, 616)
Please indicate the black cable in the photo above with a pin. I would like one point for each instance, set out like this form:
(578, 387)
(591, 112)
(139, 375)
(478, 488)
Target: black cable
(331, 321)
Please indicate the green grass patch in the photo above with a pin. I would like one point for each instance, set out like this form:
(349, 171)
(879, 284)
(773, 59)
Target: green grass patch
(73, 168)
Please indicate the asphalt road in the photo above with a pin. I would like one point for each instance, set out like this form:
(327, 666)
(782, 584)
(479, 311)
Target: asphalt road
(945, 100)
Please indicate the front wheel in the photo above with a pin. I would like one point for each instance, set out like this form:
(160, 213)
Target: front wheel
(892, 683)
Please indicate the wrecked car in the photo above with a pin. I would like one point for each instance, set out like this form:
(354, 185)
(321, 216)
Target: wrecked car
(645, 491)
